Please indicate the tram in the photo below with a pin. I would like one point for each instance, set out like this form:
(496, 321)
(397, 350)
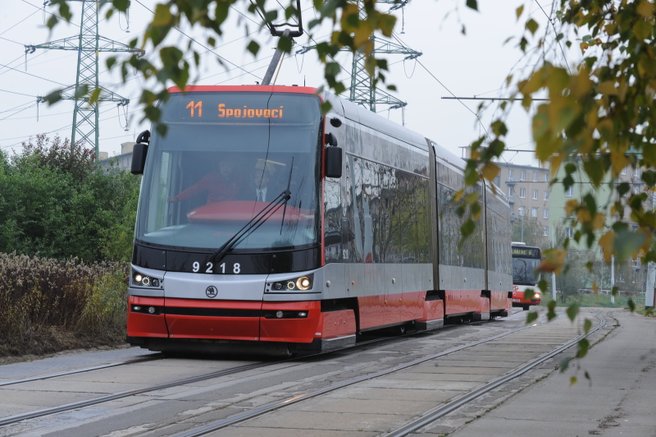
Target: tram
(525, 261)
(262, 221)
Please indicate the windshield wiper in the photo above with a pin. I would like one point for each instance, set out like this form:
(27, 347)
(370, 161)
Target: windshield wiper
(250, 227)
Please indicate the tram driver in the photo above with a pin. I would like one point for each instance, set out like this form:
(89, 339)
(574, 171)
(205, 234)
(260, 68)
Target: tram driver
(218, 185)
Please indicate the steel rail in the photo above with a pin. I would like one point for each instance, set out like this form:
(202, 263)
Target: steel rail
(83, 370)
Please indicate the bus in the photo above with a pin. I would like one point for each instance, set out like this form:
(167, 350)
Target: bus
(263, 220)
(525, 261)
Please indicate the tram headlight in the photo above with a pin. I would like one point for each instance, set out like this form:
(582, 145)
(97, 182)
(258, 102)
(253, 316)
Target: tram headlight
(304, 283)
(301, 283)
(141, 280)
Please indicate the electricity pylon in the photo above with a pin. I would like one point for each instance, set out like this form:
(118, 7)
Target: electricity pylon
(363, 85)
(88, 45)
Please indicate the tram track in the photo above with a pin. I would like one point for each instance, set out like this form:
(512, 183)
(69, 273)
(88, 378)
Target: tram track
(438, 412)
(427, 417)
(273, 406)
(35, 414)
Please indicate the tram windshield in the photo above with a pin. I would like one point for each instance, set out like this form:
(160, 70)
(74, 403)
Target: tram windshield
(225, 158)
(525, 261)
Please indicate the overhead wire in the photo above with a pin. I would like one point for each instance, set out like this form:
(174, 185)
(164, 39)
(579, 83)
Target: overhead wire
(553, 25)
(202, 45)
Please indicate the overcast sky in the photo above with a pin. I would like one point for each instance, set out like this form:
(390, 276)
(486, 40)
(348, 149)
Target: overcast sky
(474, 64)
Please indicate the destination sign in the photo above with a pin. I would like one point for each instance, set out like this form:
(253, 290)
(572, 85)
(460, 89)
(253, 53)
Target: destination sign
(196, 109)
(242, 108)
(527, 252)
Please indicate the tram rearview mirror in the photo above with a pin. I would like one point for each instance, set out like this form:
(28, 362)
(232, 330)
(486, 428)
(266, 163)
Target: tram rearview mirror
(139, 158)
(334, 162)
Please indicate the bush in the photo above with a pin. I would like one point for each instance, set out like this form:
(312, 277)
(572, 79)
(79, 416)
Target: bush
(48, 305)
(57, 203)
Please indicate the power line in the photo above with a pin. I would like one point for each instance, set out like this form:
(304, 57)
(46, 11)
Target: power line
(32, 75)
(14, 25)
(552, 22)
(202, 45)
(507, 99)
(17, 93)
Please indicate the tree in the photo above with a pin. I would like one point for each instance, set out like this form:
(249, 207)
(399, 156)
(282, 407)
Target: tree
(57, 203)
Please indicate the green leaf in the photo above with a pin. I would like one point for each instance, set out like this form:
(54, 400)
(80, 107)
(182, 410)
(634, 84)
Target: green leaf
(253, 47)
(472, 4)
(587, 325)
(531, 317)
(532, 26)
(564, 364)
(121, 5)
(551, 310)
(467, 228)
(572, 380)
(583, 347)
(95, 95)
(631, 305)
(162, 17)
(572, 311)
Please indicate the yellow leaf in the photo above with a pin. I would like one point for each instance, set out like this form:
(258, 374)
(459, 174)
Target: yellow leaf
(646, 9)
(490, 171)
(598, 221)
(570, 206)
(554, 261)
(362, 35)
(595, 287)
(581, 83)
(606, 243)
(555, 161)
(618, 161)
(583, 215)
(608, 87)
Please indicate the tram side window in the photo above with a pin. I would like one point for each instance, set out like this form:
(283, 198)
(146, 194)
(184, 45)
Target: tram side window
(498, 236)
(388, 214)
(333, 229)
(471, 252)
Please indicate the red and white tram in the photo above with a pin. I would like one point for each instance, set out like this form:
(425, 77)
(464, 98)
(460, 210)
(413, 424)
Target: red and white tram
(316, 229)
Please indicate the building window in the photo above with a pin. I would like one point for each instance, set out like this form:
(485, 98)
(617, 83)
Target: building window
(535, 194)
(546, 177)
(511, 191)
(568, 232)
(522, 175)
(545, 213)
(520, 211)
(546, 195)
(569, 192)
(545, 232)
(534, 212)
(510, 175)
(522, 193)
